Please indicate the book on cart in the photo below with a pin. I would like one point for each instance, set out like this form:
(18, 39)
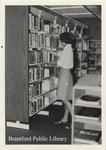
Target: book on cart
(89, 99)
(89, 113)
(88, 136)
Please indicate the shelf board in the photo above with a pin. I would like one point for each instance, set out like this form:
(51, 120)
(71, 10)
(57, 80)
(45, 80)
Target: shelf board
(39, 47)
(89, 82)
(49, 49)
(82, 103)
(43, 93)
(41, 79)
(87, 105)
(88, 120)
(53, 100)
(83, 141)
(42, 63)
(39, 31)
(32, 30)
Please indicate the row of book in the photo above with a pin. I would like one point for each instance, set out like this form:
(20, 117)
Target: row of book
(81, 72)
(42, 87)
(37, 22)
(41, 72)
(82, 64)
(35, 89)
(41, 102)
(79, 44)
(94, 44)
(94, 56)
(37, 104)
(42, 40)
(41, 56)
(82, 45)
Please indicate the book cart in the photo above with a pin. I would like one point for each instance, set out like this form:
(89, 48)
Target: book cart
(86, 117)
(32, 34)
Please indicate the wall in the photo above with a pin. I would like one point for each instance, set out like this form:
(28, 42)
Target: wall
(94, 27)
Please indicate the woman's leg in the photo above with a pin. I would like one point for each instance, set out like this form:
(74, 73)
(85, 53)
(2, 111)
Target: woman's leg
(69, 106)
(66, 112)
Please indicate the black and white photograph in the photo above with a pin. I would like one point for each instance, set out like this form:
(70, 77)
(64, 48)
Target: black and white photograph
(53, 74)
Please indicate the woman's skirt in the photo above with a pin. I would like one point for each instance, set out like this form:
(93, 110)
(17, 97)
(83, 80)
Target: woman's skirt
(65, 85)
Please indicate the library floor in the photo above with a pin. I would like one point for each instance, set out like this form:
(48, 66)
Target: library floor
(43, 130)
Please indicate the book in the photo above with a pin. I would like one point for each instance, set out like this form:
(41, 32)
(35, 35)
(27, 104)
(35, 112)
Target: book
(47, 28)
(41, 20)
(34, 105)
(31, 75)
(40, 103)
(89, 113)
(36, 74)
(46, 101)
(46, 72)
(46, 85)
(31, 87)
(32, 57)
(35, 89)
(47, 41)
(88, 136)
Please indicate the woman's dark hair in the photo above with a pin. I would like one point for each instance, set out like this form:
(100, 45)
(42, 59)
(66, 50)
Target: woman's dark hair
(67, 37)
(75, 62)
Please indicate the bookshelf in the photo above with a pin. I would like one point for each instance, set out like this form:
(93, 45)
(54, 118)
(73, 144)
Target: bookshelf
(32, 34)
(86, 117)
(82, 51)
(94, 56)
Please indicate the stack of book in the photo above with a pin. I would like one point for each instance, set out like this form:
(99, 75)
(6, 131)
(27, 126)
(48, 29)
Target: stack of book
(86, 136)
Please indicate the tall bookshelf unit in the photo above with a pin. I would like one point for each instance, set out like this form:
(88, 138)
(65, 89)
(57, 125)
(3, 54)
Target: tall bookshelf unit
(82, 51)
(94, 56)
(86, 125)
(32, 34)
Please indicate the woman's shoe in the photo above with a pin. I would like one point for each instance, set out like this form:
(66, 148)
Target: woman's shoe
(68, 127)
(57, 122)
(60, 123)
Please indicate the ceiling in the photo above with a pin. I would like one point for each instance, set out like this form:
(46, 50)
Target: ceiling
(77, 11)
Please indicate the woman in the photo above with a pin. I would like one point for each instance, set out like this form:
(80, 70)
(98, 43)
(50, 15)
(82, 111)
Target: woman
(65, 84)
